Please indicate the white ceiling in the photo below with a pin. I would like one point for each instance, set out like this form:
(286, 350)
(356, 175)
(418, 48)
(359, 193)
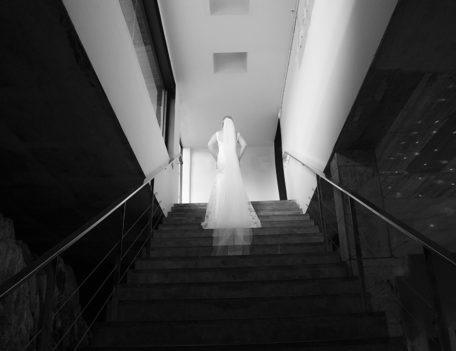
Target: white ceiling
(253, 98)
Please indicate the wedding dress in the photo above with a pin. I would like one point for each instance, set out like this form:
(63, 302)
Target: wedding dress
(229, 211)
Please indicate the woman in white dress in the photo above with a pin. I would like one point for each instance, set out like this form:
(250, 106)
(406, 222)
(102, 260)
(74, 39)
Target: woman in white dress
(229, 211)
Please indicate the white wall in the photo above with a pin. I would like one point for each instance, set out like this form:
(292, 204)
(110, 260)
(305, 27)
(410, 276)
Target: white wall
(334, 44)
(257, 167)
(103, 32)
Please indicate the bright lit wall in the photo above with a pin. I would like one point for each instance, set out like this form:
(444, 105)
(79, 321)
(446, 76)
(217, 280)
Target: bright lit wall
(334, 44)
(103, 31)
(257, 167)
(104, 34)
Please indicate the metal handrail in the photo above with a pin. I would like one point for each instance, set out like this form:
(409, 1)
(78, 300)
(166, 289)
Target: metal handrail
(16, 280)
(385, 216)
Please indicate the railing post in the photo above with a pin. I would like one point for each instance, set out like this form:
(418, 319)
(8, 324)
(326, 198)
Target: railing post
(441, 324)
(118, 274)
(48, 307)
(320, 207)
(359, 254)
(151, 218)
(119, 259)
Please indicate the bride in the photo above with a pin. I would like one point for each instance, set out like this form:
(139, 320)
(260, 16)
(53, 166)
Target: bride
(229, 211)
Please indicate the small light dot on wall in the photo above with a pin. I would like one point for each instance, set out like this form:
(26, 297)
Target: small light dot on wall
(403, 142)
(420, 178)
(424, 164)
(420, 195)
(454, 132)
(434, 131)
(441, 100)
(435, 150)
(404, 158)
(444, 162)
(419, 122)
(437, 121)
(417, 142)
(416, 153)
(414, 133)
(453, 184)
(432, 225)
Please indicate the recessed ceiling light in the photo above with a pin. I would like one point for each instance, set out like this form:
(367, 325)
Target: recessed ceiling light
(230, 62)
(229, 7)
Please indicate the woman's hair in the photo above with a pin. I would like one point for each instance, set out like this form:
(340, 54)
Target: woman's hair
(225, 117)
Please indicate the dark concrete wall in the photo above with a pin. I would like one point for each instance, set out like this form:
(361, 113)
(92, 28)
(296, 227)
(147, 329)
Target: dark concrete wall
(64, 156)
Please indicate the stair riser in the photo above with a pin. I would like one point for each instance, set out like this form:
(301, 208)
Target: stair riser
(258, 240)
(263, 215)
(172, 218)
(265, 224)
(258, 209)
(248, 274)
(257, 205)
(254, 250)
(256, 231)
(236, 308)
(367, 345)
(235, 261)
(240, 331)
(241, 290)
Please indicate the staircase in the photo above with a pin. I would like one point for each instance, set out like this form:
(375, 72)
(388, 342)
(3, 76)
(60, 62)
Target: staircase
(289, 293)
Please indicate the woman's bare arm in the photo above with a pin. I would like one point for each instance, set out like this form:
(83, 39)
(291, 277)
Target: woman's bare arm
(212, 146)
(242, 144)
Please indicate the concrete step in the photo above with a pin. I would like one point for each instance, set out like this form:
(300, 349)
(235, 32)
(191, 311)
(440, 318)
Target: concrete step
(256, 231)
(241, 331)
(262, 214)
(258, 208)
(258, 288)
(256, 240)
(255, 204)
(277, 221)
(331, 270)
(254, 250)
(270, 217)
(264, 224)
(360, 344)
(237, 308)
(235, 261)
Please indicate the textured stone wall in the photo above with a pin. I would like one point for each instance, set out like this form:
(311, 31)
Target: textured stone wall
(21, 310)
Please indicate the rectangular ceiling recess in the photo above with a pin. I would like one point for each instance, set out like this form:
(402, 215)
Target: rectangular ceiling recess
(230, 62)
(229, 7)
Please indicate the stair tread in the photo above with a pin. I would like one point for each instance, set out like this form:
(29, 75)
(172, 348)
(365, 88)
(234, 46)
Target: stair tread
(218, 269)
(329, 317)
(236, 299)
(239, 257)
(264, 281)
(353, 344)
(238, 308)
(269, 329)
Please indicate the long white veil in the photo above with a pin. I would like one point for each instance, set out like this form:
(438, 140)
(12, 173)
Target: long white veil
(229, 210)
